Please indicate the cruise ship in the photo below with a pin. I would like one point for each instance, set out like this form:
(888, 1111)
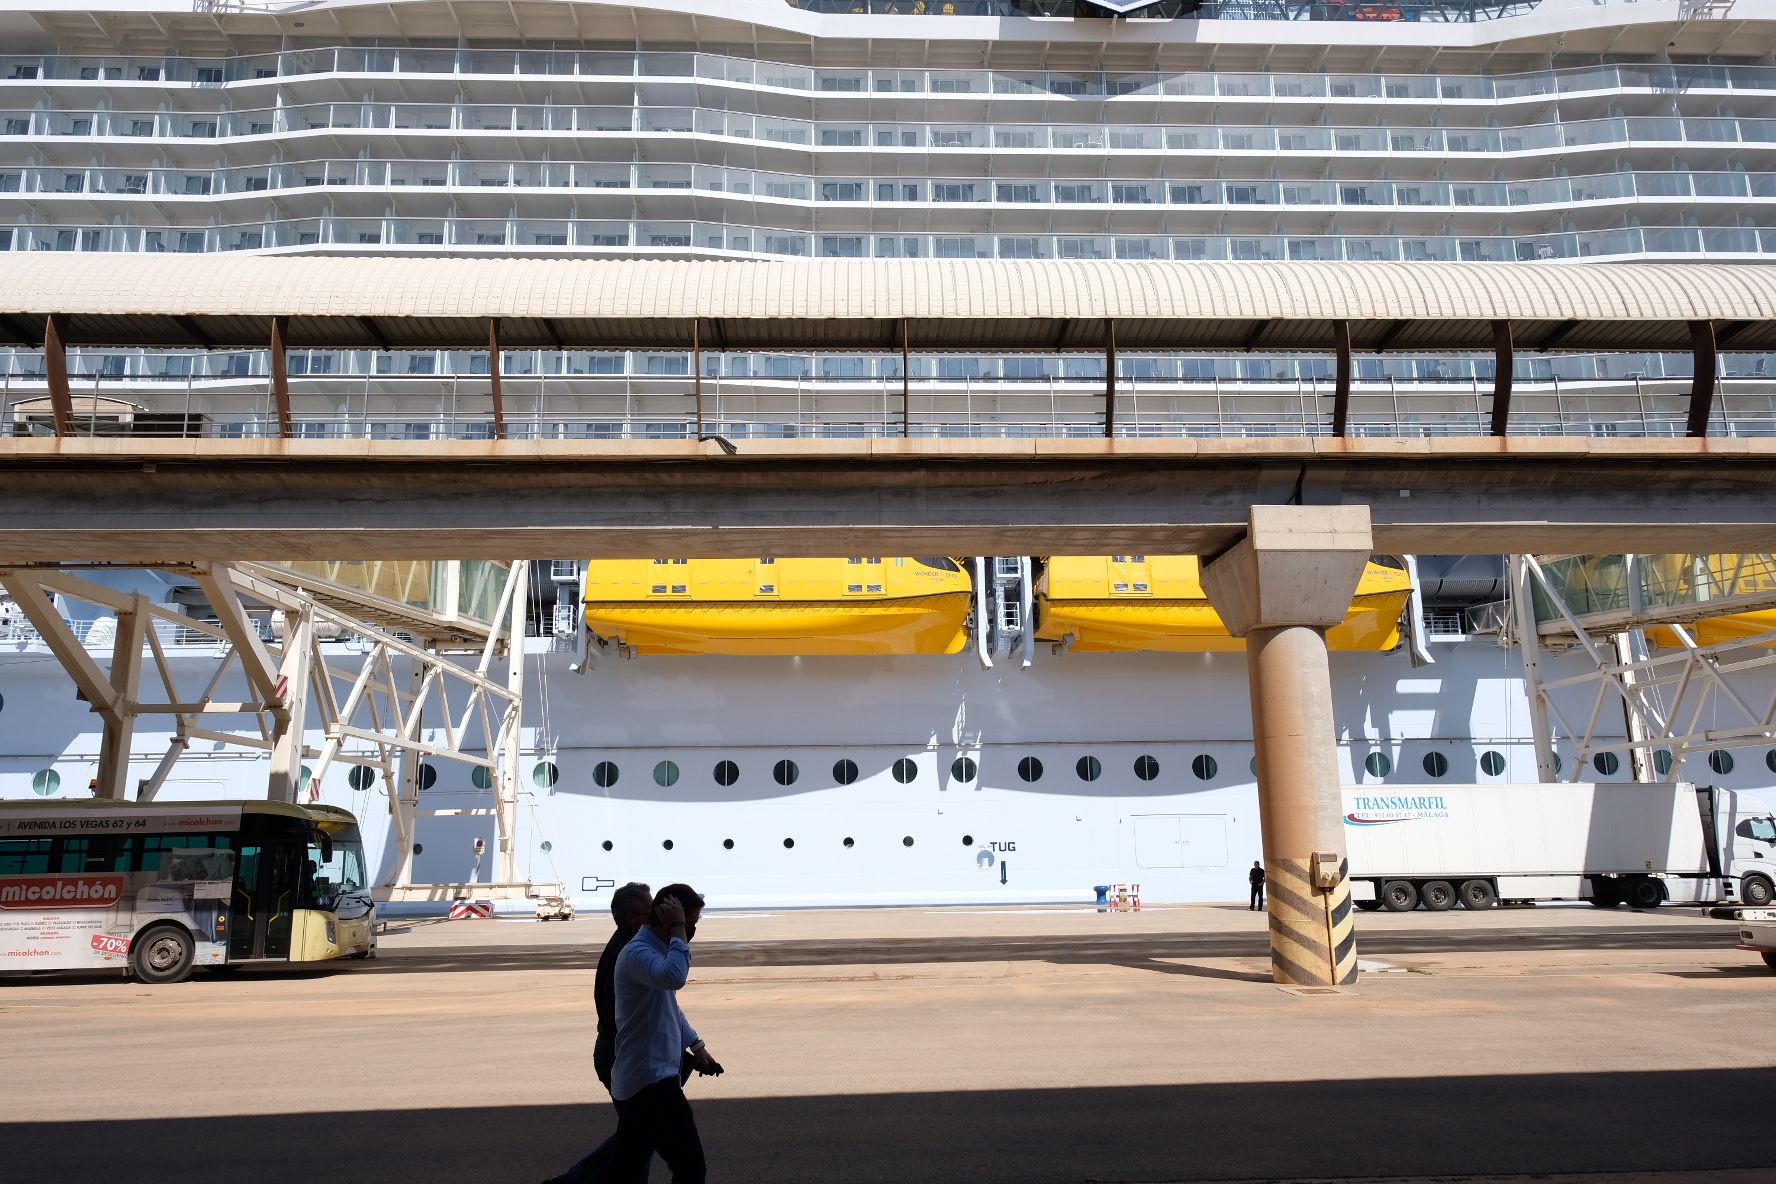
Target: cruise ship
(889, 730)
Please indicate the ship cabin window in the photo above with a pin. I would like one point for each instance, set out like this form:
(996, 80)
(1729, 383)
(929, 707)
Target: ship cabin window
(607, 844)
(906, 770)
(907, 841)
(1030, 769)
(1378, 764)
(786, 772)
(604, 774)
(1436, 764)
(963, 768)
(850, 842)
(1606, 763)
(726, 773)
(845, 771)
(1492, 763)
(666, 845)
(1662, 762)
(665, 774)
(1721, 762)
(1204, 767)
(788, 843)
(727, 844)
(1089, 768)
(1146, 767)
(545, 775)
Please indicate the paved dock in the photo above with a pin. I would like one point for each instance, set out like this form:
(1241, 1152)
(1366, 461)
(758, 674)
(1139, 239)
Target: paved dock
(1022, 1046)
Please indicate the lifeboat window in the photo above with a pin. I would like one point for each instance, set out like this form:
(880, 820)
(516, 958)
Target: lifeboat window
(767, 561)
(662, 562)
(665, 774)
(545, 775)
(678, 589)
(658, 589)
(905, 770)
(853, 587)
(1721, 762)
(845, 771)
(1204, 766)
(1141, 587)
(1662, 761)
(1491, 763)
(767, 589)
(786, 772)
(1378, 764)
(1089, 768)
(726, 773)
(681, 561)
(604, 774)
(963, 768)
(1146, 768)
(875, 587)
(1436, 764)
(1030, 769)
(1606, 763)
(1119, 586)
(940, 562)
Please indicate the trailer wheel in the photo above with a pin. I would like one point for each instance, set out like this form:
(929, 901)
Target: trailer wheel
(1756, 891)
(163, 954)
(1644, 892)
(1438, 896)
(1368, 906)
(1605, 893)
(1770, 959)
(1399, 896)
(1478, 894)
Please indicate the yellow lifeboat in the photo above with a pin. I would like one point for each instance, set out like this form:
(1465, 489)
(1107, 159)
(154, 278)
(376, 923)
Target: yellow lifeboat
(1097, 603)
(857, 605)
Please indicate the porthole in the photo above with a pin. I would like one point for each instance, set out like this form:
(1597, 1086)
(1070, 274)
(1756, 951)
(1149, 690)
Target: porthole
(906, 770)
(546, 774)
(727, 844)
(1606, 763)
(968, 840)
(1378, 764)
(785, 772)
(1721, 761)
(963, 768)
(788, 843)
(1558, 763)
(1030, 769)
(1436, 765)
(666, 845)
(1491, 763)
(1769, 760)
(546, 846)
(304, 777)
(363, 777)
(607, 845)
(45, 782)
(907, 841)
(850, 842)
(604, 774)
(665, 774)
(428, 775)
(1252, 766)
(419, 848)
(1089, 768)
(481, 777)
(845, 771)
(726, 772)
(1662, 761)
(2, 702)
(1146, 768)
(1203, 766)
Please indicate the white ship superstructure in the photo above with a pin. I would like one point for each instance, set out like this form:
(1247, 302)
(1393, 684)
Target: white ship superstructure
(1556, 134)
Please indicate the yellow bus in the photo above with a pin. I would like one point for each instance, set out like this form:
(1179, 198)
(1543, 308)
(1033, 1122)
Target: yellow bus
(159, 890)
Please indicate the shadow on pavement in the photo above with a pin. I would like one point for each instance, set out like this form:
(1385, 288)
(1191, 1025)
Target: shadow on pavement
(1649, 1122)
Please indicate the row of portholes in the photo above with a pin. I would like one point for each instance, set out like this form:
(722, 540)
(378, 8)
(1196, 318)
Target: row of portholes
(788, 844)
(904, 770)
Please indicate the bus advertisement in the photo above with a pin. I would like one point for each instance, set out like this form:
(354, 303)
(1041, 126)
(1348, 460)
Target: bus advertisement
(162, 889)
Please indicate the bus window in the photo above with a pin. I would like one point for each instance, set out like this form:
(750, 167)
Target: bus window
(23, 857)
(150, 848)
(332, 881)
(99, 853)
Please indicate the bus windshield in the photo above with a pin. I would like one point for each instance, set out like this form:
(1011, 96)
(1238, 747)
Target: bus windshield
(335, 880)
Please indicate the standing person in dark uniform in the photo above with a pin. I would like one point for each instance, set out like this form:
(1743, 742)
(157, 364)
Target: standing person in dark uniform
(1255, 878)
(630, 906)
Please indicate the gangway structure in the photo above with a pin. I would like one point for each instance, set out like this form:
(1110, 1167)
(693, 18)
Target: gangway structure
(1671, 643)
(430, 665)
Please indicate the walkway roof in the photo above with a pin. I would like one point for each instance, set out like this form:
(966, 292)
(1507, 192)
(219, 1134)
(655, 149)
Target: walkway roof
(977, 306)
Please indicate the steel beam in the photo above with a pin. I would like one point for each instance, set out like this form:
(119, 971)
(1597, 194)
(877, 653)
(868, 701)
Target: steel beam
(493, 370)
(1109, 379)
(280, 377)
(1702, 382)
(55, 368)
(1341, 384)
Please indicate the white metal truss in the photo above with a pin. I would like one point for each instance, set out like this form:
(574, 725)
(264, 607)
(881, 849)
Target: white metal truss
(398, 705)
(1683, 698)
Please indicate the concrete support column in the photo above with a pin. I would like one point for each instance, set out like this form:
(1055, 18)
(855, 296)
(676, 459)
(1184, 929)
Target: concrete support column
(1281, 587)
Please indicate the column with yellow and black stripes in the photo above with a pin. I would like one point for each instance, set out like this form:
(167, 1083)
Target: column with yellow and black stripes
(1280, 588)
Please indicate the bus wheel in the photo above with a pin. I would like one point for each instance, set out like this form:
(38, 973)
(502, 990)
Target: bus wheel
(1438, 896)
(1478, 894)
(1644, 892)
(1399, 896)
(1755, 891)
(162, 955)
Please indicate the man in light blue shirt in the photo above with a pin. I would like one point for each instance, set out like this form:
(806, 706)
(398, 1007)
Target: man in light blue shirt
(653, 1038)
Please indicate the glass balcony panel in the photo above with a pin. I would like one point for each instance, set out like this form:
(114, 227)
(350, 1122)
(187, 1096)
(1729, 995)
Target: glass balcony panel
(1720, 184)
(1728, 240)
(1189, 85)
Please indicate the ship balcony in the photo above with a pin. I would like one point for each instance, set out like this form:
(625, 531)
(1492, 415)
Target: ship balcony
(327, 68)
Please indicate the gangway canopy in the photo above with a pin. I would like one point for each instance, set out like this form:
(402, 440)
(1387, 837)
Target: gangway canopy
(977, 306)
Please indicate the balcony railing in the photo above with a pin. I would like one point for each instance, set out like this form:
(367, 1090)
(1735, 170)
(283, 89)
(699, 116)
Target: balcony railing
(157, 73)
(505, 236)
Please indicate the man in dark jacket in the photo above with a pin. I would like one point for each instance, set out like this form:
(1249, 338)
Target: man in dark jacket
(1255, 878)
(629, 909)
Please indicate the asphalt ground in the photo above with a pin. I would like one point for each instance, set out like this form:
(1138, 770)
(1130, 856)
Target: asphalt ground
(1023, 1046)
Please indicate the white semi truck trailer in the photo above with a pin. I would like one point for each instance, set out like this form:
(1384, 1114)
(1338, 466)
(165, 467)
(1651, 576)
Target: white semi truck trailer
(1477, 845)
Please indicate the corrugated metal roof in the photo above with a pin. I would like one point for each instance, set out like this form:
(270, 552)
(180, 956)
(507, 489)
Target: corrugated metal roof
(855, 305)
